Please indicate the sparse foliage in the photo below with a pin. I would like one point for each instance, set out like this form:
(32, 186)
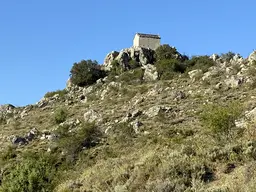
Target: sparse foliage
(221, 119)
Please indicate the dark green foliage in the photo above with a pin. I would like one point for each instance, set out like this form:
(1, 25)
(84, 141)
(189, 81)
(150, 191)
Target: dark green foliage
(221, 119)
(133, 64)
(167, 68)
(165, 51)
(60, 115)
(86, 72)
(61, 93)
(200, 62)
(227, 56)
(34, 173)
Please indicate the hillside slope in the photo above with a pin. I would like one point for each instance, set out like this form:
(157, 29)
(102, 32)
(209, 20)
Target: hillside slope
(192, 132)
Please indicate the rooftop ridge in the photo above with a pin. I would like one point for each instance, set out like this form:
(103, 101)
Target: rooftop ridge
(149, 35)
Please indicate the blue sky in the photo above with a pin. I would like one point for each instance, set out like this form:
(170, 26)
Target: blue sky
(40, 40)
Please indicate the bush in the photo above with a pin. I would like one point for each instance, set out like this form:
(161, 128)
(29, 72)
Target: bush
(133, 64)
(60, 115)
(200, 62)
(71, 143)
(132, 76)
(8, 154)
(34, 173)
(116, 69)
(166, 52)
(221, 119)
(227, 56)
(166, 68)
(86, 72)
(61, 93)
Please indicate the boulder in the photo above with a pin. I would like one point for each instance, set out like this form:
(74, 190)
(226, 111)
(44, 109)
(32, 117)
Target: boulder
(194, 74)
(33, 133)
(16, 140)
(150, 73)
(234, 82)
(214, 57)
(109, 59)
(155, 110)
(92, 116)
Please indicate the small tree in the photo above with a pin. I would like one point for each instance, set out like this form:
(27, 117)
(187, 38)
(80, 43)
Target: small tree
(167, 52)
(166, 68)
(86, 72)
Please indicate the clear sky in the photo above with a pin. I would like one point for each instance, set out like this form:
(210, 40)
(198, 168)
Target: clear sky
(40, 40)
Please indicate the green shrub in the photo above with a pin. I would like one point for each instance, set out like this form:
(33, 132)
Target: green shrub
(8, 154)
(71, 143)
(167, 68)
(221, 119)
(227, 56)
(200, 62)
(86, 72)
(165, 51)
(61, 93)
(60, 115)
(133, 64)
(34, 173)
(116, 69)
(132, 76)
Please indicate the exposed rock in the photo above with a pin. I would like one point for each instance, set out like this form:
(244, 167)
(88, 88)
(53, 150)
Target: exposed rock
(178, 95)
(70, 123)
(142, 55)
(252, 57)
(23, 114)
(214, 57)
(234, 82)
(136, 126)
(194, 74)
(32, 134)
(213, 71)
(109, 59)
(16, 140)
(150, 73)
(155, 110)
(237, 59)
(92, 116)
(69, 84)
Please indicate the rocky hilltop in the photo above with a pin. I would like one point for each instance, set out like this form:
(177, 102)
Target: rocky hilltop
(166, 122)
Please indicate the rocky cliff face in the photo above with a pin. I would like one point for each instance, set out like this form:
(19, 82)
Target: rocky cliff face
(142, 55)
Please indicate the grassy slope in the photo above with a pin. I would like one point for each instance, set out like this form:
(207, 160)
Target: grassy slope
(173, 151)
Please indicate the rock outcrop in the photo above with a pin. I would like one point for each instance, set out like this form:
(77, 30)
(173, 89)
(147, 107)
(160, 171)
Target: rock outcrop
(142, 55)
